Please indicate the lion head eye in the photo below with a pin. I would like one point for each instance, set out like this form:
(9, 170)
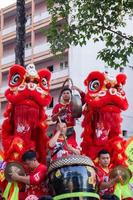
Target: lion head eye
(44, 82)
(15, 79)
(94, 85)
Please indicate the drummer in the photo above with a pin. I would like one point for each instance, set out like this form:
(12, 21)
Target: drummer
(106, 186)
(64, 110)
(61, 145)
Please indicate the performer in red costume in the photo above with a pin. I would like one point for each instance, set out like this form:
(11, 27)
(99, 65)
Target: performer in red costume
(60, 145)
(36, 177)
(104, 167)
(64, 110)
(105, 99)
(25, 124)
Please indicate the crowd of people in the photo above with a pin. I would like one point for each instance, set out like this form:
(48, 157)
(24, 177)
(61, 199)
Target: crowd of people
(61, 144)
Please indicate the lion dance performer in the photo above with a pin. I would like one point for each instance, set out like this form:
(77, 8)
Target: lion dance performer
(105, 99)
(24, 127)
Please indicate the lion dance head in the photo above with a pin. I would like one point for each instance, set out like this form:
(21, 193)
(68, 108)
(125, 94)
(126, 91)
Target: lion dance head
(105, 99)
(25, 124)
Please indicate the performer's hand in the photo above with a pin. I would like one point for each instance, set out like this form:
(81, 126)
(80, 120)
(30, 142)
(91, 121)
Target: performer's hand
(118, 178)
(62, 128)
(111, 183)
(75, 151)
(62, 111)
(76, 88)
(14, 176)
(115, 180)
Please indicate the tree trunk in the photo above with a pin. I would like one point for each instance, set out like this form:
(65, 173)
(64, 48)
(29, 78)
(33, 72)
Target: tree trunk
(20, 32)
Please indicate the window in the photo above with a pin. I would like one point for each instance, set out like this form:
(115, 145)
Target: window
(63, 64)
(131, 67)
(28, 16)
(28, 19)
(106, 69)
(66, 64)
(3, 106)
(121, 69)
(124, 133)
(28, 45)
(50, 68)
(51, 104)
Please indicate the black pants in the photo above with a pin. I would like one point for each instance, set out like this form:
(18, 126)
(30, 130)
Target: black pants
(109, 197)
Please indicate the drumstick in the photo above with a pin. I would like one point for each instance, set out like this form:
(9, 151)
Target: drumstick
(62, 134)
(58, 114)
(61, 123)
(59, 120)
(67, 145)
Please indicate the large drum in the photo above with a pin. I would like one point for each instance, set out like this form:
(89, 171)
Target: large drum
(73, 177)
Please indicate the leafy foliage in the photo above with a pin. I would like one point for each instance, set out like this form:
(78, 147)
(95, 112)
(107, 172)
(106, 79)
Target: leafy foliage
(76, 21)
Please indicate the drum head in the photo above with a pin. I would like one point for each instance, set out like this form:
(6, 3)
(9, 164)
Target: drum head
(73, 174)
(13, 167)
(71, 160)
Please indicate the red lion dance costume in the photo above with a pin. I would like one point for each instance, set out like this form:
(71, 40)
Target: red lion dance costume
(25, 125)
(105, 99)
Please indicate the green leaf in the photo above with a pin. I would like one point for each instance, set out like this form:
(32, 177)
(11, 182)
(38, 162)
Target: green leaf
(98, 20)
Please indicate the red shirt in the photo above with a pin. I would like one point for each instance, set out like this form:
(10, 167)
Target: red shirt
(63, 152)
(103, 176)
(37, 178)
(67, 116)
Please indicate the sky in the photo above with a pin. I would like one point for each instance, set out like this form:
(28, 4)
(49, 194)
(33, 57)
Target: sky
(4, 3)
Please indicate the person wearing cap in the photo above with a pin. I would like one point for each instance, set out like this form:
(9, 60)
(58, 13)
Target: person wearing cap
(63, 110)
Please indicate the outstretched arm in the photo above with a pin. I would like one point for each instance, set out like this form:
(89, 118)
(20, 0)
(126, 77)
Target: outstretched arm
(23, 179)
(54, 139)
(77, 88)
(61, 129)
(72, 149)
